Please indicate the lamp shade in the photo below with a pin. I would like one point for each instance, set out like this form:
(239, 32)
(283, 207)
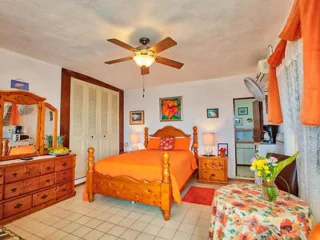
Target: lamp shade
(144, 60)
(208, 139)
(134, 138)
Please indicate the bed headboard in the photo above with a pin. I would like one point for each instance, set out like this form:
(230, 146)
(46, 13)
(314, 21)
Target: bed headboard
(174, 132)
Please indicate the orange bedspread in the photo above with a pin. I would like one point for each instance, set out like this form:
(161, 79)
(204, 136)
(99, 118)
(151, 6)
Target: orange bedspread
(147, 165)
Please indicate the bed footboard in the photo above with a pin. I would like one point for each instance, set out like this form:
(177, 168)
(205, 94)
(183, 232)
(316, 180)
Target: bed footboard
(157, 193)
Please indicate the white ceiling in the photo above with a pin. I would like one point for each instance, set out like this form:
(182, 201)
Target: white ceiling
(216, 38)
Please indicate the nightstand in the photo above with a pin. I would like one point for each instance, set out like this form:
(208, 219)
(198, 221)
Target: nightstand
(213, 169)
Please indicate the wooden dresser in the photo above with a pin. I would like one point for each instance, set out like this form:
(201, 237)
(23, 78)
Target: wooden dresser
(213, 169)
(28, 186)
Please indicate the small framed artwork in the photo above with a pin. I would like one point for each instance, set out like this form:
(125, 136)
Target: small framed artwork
(243, 111)
(213, 113)
(223, 145)
(170, 109)
(137, 117)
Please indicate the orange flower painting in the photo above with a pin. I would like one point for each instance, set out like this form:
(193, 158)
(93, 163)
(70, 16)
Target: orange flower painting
(170, 109)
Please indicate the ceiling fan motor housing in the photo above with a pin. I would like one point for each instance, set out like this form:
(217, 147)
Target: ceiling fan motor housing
(144, 40)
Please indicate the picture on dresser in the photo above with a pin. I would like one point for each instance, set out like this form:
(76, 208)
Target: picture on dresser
(213, 113)
(137, 117)
(170, 109)
(243, 111)
(223, 147)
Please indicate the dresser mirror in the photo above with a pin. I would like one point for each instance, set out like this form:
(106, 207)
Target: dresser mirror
(50, 126)
(25, 119)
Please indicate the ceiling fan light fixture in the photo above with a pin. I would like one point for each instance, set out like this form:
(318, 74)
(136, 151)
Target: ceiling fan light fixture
(143, 59)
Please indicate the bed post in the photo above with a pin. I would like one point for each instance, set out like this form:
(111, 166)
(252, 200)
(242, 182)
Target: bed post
(195, 143)
(6, 147)
(90, 174)
(145, 137)
(166, 191)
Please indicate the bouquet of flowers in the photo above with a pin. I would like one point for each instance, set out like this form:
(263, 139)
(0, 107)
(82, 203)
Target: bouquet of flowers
(268, 169)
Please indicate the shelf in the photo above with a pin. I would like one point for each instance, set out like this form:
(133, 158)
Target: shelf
(244, 129)
(245, 142)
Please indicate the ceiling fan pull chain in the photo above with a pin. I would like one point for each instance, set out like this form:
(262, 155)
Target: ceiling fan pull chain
(143, 91)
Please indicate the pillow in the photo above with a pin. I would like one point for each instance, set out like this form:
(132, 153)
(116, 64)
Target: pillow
(153, 144)
(182, 144)
(167, 143)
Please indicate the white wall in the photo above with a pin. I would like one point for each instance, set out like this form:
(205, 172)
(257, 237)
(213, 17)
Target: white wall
(197, 97)
(44, 79)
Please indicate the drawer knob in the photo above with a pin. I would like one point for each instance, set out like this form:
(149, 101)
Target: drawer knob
(18, 205)
(13, 189)
(63, 189)
(212, 175)
(48, 168)
(48, 180)
(44, 196)
(14, 174)
(64, 164)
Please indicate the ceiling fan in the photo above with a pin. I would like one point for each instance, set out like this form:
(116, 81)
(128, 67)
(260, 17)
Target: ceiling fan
(144, 55)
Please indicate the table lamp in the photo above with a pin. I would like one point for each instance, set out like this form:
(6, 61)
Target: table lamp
(208, 141)
(134, 140)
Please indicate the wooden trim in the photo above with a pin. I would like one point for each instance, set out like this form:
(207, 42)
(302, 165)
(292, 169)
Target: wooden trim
(1, 124)
(55, 123)
(21, 97)
(169, 131)
(66, 76)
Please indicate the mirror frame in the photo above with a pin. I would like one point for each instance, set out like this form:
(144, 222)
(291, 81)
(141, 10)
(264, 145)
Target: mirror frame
(27, 98)
(55, 125)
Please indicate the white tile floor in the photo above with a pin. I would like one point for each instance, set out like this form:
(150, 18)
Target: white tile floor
(110, 218)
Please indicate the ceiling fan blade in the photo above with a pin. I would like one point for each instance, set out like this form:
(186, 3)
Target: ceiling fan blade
(121, 44)
(163, 45)
(144, 70)
(119, 60)
(169, 62)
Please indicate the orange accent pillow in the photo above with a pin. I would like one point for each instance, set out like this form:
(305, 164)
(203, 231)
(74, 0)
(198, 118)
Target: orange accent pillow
(166, 143)
(182, 144)
(153, 144)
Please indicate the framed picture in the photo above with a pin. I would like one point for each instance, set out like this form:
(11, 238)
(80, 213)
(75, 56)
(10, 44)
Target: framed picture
(223, 145)
(213, 113)
(136, 117)
(243, 111)
(170, 109)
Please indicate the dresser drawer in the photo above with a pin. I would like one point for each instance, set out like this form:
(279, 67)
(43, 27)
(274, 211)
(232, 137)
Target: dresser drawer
(13, 189)
(206, 164)
(64, 176)
(21, 187)
(212, 175)
(64, 189)
(17, 173)
(1, 176)
(1, 211)
(1, 192)
(63, 163)
(47, 167)
(43, 197)
(47, 180)
(16, 206)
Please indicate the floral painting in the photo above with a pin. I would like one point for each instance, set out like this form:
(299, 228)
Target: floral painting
(170, 109)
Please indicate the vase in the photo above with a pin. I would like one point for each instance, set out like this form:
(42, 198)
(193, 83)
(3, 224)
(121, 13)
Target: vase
(269, 190)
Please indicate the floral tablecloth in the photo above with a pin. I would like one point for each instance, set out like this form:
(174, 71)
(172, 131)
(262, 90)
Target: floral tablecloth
(240, 212)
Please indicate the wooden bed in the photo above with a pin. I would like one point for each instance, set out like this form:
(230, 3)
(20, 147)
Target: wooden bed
(157, 193)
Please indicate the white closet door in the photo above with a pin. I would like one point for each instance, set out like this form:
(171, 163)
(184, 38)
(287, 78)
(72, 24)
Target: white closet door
(78, 141)
(113, 137)
(92, 119)
(104, 121)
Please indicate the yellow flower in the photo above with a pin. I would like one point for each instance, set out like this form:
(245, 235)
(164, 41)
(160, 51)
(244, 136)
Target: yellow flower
(259, 173)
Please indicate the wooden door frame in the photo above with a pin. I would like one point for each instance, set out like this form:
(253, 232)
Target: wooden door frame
(66, 76)
(234, 127)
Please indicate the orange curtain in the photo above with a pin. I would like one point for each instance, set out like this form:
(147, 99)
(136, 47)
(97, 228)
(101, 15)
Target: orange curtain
(303, 21)
(14, 117)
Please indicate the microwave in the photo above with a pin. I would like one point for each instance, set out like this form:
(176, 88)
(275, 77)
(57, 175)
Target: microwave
(20, 137)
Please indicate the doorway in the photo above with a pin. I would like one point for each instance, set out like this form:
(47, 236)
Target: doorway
(248, 121)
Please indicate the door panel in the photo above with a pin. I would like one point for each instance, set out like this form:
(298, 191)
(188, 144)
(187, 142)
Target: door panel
(257, 120)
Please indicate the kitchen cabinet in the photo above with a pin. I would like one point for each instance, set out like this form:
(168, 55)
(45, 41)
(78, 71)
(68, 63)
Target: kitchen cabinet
(244, 153)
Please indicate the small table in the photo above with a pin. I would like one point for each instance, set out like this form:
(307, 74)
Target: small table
(240, 212)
